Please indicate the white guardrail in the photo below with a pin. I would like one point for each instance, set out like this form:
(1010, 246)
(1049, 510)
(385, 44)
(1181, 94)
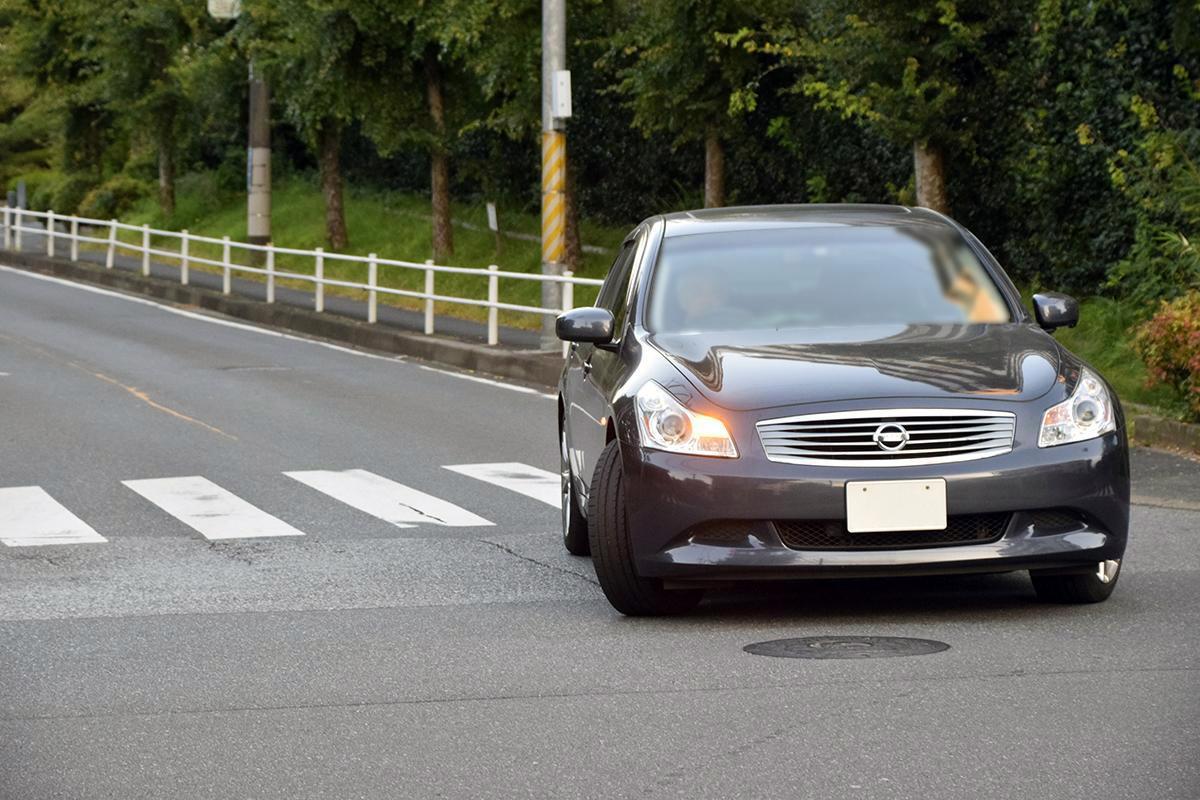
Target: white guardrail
(14, 224)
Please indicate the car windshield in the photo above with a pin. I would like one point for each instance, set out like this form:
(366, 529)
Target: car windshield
(820, 277)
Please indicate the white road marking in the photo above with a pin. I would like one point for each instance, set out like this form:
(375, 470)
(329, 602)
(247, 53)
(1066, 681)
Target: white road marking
(517, 477)
(263, 331)
(29, 516)
(211, 510)
(489, 382)
(381, 497)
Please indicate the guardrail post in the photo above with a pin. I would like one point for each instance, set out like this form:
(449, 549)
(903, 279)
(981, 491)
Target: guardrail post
(493, 330)
(568, 301)
(183, 256)
(112, 244)
(319, 272)
(372, 282)
(226, 282)
(19, 222)
(429, 296)
(145, 249)
(50, 233)
(74, 238)
(270, 272)
(7, 228)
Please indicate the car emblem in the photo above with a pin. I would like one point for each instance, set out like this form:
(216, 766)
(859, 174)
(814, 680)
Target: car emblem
(891, 436)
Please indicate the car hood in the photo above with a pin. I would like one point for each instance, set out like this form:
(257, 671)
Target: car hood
(764, 369)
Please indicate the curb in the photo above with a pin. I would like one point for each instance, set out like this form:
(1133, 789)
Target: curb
(1153, 431)
(530, 366)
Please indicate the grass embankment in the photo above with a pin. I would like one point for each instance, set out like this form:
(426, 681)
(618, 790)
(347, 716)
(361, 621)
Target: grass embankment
(392, 225)
(395, 225)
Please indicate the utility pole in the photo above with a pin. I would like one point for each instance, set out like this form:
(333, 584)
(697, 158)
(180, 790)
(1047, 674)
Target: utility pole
(556, 108)
(258, 166)
(258, 149)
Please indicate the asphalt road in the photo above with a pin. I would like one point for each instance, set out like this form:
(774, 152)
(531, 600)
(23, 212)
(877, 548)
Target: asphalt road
(350, 657)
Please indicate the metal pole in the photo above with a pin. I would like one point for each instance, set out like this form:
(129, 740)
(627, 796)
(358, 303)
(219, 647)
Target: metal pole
(493, 322)
(372, 282)
(429, 300)
(145, 249)
(112, 244)
(227, 278)
(270, 273)
(7, 229)
(568, 302)
(183, 257)
(258, 168)
(554, 160)
(319, 295)
(74, 238)
(50, 233)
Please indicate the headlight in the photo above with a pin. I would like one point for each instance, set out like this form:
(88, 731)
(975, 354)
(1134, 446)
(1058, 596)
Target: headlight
(1086, 414)
(666, 425)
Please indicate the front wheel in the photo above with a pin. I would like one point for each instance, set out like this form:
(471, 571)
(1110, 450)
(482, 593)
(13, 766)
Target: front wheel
(1089, 587)
(612, 551)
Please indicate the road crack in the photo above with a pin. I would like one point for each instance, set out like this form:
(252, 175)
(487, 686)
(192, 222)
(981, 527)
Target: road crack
(552, 567)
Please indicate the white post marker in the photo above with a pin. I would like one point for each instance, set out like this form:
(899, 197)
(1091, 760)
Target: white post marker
(429, 297)
(145, 249)
(7, 228)
(493, 330)
(74, 238)
(50, 233)
(112, 244)
(206, 507)
(372, 282)
(319, 273)
(183, 256)
(270, 272)
(516, 477)
(29, 516)
(387, 500)
(19, 221)
(227, 279)
(568, 302)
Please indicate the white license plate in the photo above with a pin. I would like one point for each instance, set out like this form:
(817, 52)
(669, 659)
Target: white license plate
(881, 506)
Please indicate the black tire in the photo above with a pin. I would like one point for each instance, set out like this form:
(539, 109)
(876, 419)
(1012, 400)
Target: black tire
(612, 553)
(1087, 587)
(574, 523)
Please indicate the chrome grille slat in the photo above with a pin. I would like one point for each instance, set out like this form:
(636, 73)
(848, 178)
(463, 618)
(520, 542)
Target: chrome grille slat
(1001, 428)
(933, 436)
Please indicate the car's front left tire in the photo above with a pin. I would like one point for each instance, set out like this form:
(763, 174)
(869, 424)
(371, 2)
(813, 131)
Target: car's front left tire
(1089, 587)
(612, 550)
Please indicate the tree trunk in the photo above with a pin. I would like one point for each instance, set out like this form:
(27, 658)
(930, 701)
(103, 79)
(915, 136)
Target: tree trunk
(572, 244)
(329, 141)
(714, 171)
(443, 234)
(930, 169)
(166, 171)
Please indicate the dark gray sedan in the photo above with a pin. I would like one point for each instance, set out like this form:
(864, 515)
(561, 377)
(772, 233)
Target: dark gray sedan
(831, 391)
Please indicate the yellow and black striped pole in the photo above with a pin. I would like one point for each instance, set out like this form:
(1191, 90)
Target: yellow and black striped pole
(554, 176)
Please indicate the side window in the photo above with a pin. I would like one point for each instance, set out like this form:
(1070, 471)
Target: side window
(617, 281)
(616, 286)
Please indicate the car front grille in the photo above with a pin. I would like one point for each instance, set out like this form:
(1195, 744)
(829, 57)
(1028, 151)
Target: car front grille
(832, 534)
(890, 437)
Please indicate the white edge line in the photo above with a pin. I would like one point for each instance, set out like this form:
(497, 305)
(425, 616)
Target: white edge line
(264, 331)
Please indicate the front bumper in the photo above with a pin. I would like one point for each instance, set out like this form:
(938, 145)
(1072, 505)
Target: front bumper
(668, 496)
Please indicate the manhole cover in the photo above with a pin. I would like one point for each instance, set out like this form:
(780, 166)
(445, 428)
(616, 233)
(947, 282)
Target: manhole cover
(846, 647)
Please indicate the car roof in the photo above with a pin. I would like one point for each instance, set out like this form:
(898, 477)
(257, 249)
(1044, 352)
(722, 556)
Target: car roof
(743, 218)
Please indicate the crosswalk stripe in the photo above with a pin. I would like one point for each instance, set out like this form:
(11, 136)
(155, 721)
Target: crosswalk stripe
(211, 510)
(30, 516)
(381, 497)
(514, 476)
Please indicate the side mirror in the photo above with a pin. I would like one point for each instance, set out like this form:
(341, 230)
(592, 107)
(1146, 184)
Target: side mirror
(1055, 310)
(591, 325)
